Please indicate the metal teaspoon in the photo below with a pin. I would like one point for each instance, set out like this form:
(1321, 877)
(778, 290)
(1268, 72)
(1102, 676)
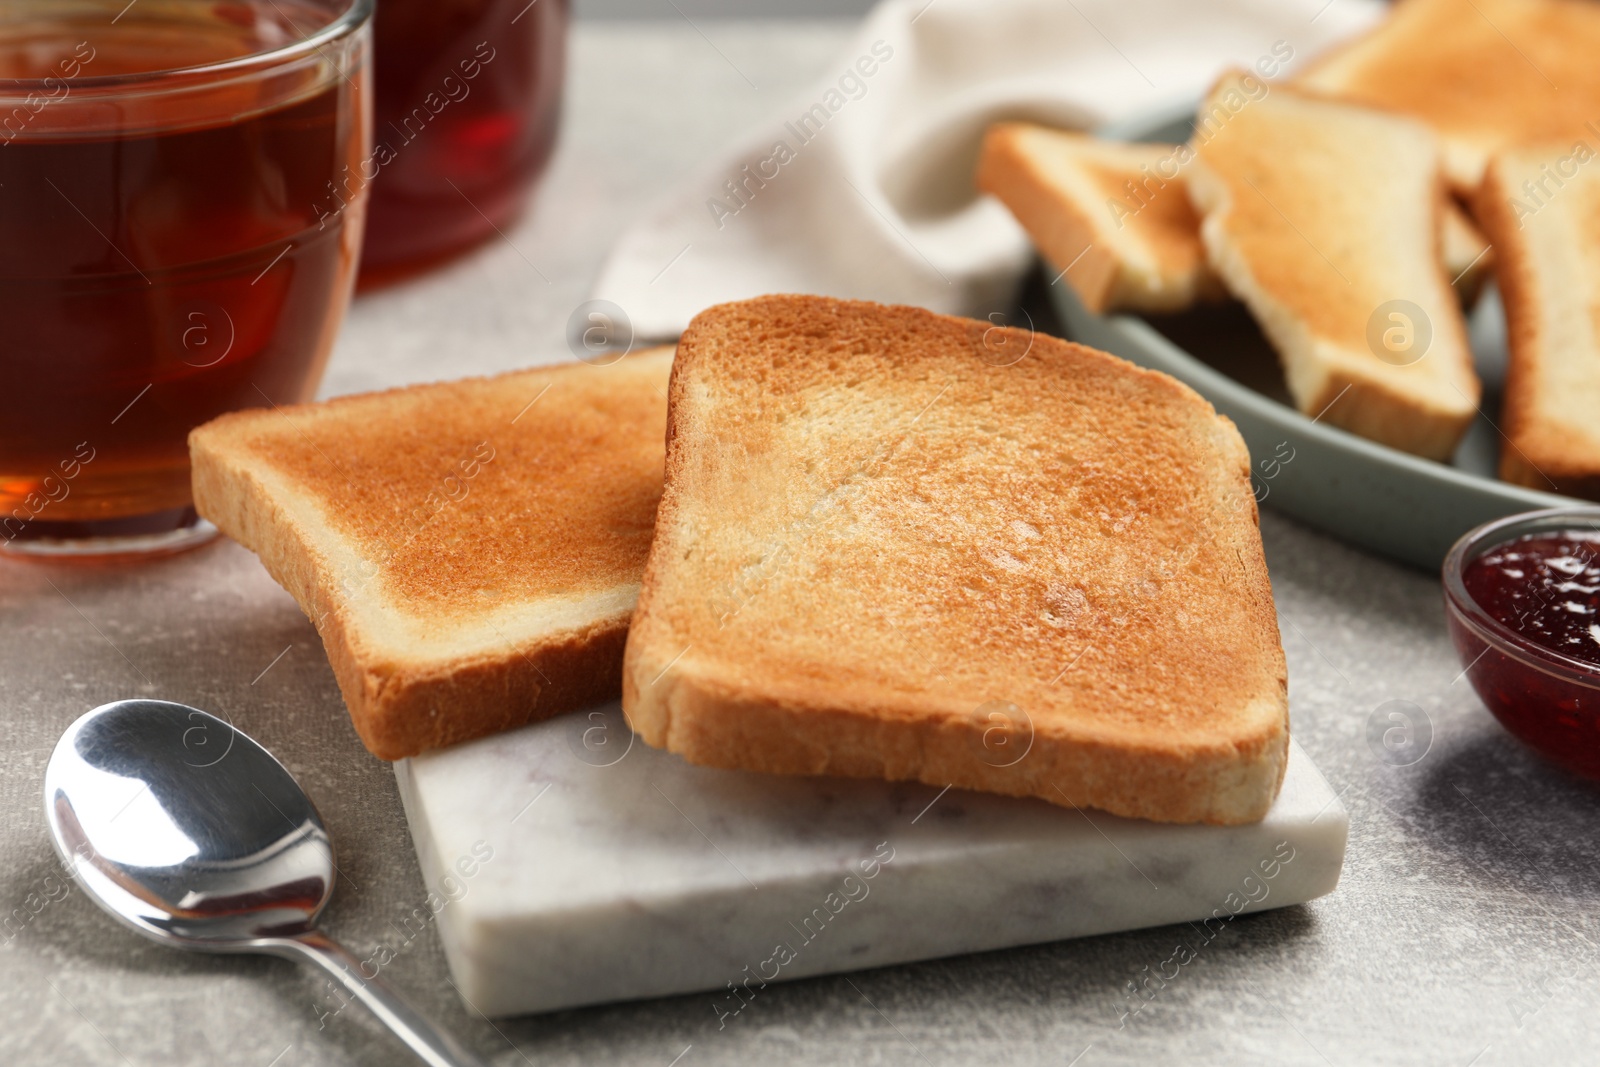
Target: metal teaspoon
(192, 834)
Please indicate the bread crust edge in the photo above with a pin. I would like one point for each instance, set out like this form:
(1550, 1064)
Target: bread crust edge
(400, 707)
(1533, 455)
(671, 705)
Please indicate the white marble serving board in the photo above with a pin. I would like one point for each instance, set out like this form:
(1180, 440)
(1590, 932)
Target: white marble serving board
(569, 863)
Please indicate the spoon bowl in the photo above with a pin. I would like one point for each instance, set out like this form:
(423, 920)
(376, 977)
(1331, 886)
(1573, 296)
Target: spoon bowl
(184, 833)
(190, 833)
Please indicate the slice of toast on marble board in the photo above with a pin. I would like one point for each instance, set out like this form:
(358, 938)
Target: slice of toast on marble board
(894, 544)
(469, 551)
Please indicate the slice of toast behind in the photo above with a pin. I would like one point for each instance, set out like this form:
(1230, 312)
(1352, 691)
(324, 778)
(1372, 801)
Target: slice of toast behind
(1335, 247)
(894, 544)
(1465, 252)
(1115, 218)
(1485, 74)
(470, 552)
(1541, 207)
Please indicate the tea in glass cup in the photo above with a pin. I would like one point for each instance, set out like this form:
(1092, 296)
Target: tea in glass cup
(173, 244)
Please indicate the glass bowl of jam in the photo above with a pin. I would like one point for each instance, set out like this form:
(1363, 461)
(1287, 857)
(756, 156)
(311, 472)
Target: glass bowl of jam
(1522, 596)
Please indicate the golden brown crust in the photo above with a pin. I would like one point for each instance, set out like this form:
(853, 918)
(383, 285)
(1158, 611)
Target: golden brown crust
(1322, 242)
(1061, 231)
(1553, 355)
(1465, 252)
(1120, 248)
(1520, 297)
(1094, 204)
(502, 601)
(1369, 408)
(412, 710)
(874, 536)
(1485, 74)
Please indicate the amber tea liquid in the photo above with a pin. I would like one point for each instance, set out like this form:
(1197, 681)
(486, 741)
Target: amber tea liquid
(162, 256)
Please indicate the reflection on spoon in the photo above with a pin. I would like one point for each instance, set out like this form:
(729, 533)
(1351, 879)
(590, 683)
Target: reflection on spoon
(190, 833)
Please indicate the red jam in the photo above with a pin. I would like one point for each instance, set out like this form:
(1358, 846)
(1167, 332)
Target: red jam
(1545, 588)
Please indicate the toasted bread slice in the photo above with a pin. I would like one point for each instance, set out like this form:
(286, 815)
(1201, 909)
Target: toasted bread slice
(1468, 258)
(470, 551)
(894, 544)
(1115, 218)
(1485, 74)
(1541, 207)
(1334, 247)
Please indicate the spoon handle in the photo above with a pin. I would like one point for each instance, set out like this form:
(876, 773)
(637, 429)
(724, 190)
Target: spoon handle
(431, 1044)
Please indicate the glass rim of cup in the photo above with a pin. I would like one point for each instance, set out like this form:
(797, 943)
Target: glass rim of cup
(356, 16)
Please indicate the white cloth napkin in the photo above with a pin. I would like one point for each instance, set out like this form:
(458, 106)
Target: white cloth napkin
(863, 186)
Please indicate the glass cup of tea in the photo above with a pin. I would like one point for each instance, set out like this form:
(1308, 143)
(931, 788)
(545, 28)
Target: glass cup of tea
(176, 241)
(466, 105)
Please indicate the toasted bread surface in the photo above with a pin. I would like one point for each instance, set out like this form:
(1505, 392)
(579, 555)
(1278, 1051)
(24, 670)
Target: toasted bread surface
(896, 544)
(1320, 242)
(1465, 251)
(1118, 221)
(1485, 74)
(469, 551)
(1546, 232)
(1114, 217)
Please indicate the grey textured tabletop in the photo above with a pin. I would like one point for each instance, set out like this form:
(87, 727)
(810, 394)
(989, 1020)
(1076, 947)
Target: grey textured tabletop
(1461, 933)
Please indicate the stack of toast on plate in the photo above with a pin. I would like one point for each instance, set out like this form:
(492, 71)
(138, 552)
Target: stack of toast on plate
(1341, 206)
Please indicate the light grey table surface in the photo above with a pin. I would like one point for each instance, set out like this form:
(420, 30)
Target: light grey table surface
(1463, 933)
